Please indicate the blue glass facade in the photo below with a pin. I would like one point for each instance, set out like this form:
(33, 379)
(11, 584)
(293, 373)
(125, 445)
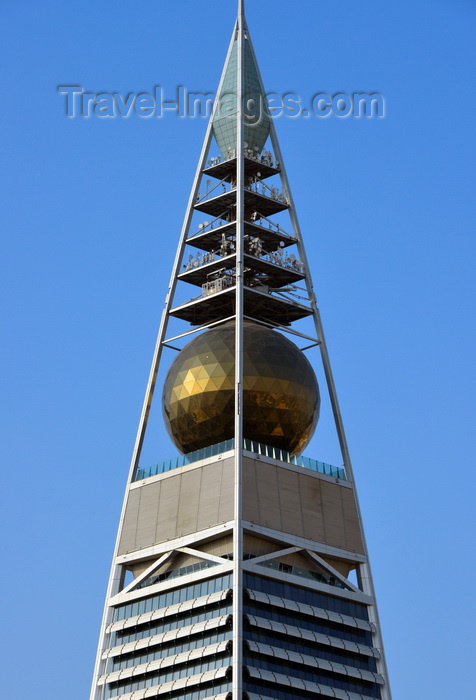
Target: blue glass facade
(278, 692)
(172, 673)
(163, 650)
(310, 673)
(306, 595)
(289, 630)
(173, 622)
(154, 641)
(336, 653)
(321, 651)
(287, 617)
(178, 595)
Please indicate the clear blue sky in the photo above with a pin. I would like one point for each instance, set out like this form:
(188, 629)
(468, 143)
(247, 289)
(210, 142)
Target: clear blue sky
(91, 212)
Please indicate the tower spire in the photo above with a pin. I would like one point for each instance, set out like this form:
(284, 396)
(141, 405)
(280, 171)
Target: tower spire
(240, 523)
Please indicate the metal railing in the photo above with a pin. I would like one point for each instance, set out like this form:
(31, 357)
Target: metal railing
(256, 448)
(264, 157)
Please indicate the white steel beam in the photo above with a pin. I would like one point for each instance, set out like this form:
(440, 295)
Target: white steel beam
(313, 585)
(275, 555)
(145, 574)
(184, 541)
(199, 328)
(303, 543)
(327, 567)
(368, 584)
(170, 584)
(237, 663)
(203, 555)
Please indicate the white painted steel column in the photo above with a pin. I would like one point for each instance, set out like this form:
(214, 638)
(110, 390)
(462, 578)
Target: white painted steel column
(364, 569)
(367, 580)
(114, 579)
(238, 471)
(115, 575)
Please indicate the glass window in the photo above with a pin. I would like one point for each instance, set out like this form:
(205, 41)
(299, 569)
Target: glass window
(171, 597)
(313, 674)
(167, 675)
(305, 595)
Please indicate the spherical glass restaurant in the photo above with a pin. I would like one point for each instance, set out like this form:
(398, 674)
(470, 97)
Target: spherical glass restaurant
(280, 391)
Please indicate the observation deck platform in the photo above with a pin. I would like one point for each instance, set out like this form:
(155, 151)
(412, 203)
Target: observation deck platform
(260, 305)
(256, 448)
(270, 273)
(226, 170)
(254, 201)
(210, 238)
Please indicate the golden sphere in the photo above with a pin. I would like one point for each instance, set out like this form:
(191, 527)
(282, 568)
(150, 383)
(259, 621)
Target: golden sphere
(280, 391)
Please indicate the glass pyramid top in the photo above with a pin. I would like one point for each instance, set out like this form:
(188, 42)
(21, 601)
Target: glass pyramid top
(257, 120)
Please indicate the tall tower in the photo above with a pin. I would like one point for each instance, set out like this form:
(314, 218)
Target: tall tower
(240, 568)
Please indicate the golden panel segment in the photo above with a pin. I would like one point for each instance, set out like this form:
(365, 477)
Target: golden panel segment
(280, 391)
